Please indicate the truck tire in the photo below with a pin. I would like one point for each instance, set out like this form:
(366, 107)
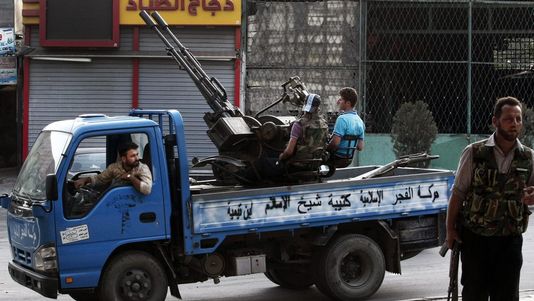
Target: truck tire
(133, 275)
(270, 277)
(351, 267)
(290, 279)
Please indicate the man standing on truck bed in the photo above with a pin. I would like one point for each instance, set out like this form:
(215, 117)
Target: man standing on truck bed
(129, 170)
(347, 124)
(489, 203)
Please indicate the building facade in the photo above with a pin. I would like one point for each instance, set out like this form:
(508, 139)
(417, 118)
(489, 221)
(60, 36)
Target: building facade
(8, 86)
(81, 62)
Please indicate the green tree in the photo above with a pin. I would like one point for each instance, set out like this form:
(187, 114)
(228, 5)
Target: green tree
(414, 129)
(527, 135)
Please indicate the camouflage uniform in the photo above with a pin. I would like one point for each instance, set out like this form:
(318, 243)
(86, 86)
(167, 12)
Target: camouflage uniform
(311, 143)
(490, 183)
(310, 146)
(493, 206)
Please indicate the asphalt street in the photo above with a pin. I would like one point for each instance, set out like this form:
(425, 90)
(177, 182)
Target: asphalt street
(424, 277)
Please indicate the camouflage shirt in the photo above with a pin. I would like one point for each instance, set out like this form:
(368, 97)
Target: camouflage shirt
(312, 140)
(112, 176)
(490, 184)
(462, 180)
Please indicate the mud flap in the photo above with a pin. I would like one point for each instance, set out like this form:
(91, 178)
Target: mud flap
(389, 241)
(171, 275)
(174, 290)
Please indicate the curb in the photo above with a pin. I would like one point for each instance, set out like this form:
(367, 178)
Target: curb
(524, 295)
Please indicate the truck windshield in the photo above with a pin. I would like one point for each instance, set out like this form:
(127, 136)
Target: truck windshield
(43, 159)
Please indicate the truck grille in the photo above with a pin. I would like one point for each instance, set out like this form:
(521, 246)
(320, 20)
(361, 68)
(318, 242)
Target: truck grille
(22, 256)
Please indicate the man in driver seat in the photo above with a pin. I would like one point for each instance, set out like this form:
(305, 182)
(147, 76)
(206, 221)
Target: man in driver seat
(129, 170)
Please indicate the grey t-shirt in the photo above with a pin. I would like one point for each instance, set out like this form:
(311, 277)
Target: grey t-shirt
(113, 174)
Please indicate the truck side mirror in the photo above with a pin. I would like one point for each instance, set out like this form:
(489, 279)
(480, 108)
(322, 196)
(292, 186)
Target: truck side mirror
(4, 201)
(51, 187)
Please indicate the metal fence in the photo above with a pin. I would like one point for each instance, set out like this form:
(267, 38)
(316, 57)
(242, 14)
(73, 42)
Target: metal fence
(457, 56)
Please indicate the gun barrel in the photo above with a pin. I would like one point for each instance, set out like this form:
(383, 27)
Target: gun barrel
(210, 88)
(210, 84)
(453, 272)
(162, 23)
(403, 161)
(146, 17)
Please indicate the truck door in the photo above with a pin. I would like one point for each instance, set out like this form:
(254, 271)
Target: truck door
(95, 219)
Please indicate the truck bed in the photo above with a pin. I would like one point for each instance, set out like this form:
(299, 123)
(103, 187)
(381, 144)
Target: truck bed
(341, 198)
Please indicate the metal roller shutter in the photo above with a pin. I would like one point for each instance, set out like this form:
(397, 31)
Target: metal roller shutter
(197, 39)
(163, 86)
(125, 43)
(64, 90)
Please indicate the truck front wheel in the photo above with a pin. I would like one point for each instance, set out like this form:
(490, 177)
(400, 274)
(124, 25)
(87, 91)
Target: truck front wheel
(133, 276)
(351, 267)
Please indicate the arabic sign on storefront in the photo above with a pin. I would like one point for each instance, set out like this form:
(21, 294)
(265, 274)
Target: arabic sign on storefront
(183, 12)
(8, 70)
(7, 41)
(8, 62)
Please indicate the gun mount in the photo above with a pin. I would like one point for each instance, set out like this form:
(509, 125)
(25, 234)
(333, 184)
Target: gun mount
(240, 139)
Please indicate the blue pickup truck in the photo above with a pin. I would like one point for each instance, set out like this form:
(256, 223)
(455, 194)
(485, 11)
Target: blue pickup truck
(339, 231)
(340, 234)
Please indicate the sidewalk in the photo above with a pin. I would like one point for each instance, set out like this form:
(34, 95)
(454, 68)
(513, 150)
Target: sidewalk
(8, 176)
(525, 295)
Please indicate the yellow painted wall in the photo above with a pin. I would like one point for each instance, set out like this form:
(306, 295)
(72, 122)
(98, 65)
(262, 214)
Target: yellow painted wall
(175, 12)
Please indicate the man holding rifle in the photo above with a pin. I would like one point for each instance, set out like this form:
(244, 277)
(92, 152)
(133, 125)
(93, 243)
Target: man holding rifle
(488, 210)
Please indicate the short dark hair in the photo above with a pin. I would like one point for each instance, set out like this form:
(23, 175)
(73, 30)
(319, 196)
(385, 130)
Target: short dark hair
(501, 102)
(349, 94)
(125, 147)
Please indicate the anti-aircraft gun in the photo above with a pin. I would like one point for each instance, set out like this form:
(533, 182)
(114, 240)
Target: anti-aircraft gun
(240, 139)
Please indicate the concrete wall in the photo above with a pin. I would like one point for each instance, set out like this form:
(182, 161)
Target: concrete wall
(379, 149)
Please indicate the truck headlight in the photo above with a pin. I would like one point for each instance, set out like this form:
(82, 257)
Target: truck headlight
(45, 259)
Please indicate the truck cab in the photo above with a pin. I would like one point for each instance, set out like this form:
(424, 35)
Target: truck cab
(111, 242)
(61, 237)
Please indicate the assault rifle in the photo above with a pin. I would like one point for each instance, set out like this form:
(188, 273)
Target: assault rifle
(402, 161)
(452, 293)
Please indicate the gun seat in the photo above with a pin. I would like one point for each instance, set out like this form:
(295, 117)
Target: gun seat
(304, 170)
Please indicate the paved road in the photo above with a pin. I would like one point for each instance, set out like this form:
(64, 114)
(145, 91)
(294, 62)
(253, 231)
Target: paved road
(424, 276)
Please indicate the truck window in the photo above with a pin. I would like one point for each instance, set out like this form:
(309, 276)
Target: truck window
(44, 159)
(97, 167)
